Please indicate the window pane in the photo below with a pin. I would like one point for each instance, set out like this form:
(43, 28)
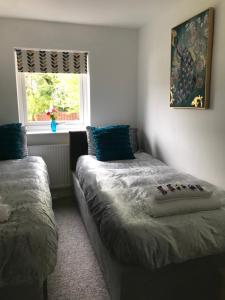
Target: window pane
(45, 91)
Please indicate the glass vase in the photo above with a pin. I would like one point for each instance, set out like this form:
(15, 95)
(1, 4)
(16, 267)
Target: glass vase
(53, 126)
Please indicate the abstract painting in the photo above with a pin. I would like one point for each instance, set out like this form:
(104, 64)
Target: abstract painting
(191, 54)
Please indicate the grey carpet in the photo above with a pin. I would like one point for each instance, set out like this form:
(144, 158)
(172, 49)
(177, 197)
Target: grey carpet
(77, 275)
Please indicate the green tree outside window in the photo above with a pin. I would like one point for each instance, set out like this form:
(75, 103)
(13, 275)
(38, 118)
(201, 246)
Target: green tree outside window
(44, 91)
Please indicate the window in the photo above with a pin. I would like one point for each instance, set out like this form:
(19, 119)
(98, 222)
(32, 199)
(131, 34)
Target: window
(42, 87)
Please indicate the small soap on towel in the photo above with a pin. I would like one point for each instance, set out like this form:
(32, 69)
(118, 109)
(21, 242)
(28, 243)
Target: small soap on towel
(4, 212)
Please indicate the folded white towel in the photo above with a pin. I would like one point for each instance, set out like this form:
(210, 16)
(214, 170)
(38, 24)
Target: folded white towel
(182, 200)
(188, 205)
(4, 212)
(170, 192)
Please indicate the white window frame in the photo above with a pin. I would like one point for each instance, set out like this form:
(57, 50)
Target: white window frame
(62, 126)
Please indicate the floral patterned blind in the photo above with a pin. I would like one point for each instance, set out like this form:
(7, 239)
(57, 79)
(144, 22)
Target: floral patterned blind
(48, 61)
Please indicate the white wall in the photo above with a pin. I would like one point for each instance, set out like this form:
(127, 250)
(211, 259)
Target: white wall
(190, 140)
(113, 67)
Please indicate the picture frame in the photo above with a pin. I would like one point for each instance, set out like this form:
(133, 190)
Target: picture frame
(191, 56)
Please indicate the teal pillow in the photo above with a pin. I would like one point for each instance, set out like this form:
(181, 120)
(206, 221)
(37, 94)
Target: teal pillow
(13, 144)
(91, 145)
(112, 143)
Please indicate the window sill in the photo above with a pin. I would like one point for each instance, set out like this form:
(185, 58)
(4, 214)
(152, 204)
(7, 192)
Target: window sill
(58, 131)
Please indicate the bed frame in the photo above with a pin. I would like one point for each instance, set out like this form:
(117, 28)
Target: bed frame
(199, 279)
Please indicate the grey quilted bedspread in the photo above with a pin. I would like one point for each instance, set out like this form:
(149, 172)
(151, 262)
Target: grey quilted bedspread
(118, 194)
(28, 240)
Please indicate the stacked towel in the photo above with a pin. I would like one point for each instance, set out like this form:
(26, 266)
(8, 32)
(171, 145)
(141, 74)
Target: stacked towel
(4, 211)
(182, 207)
(172, 192)
(171, 199)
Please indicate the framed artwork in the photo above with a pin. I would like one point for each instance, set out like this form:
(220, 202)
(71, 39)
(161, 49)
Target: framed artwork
(191, 55)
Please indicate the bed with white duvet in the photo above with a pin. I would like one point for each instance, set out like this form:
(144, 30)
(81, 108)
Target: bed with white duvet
(142, 221)
(150, 244)
(28, 232)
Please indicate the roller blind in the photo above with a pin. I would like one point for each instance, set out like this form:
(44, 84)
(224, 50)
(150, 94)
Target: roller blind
(51, 61)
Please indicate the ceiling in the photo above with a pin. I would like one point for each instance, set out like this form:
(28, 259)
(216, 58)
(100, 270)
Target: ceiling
(121, 13)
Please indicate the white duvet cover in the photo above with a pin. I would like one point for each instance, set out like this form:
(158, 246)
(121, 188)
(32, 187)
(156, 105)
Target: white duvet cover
(119, 196)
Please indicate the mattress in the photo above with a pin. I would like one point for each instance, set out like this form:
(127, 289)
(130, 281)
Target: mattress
(28, 240)
(125, 226)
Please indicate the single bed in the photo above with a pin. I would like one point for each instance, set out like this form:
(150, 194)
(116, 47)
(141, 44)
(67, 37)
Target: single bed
(178, 257)
(28, 240)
